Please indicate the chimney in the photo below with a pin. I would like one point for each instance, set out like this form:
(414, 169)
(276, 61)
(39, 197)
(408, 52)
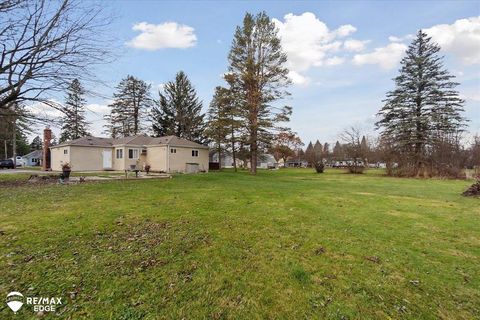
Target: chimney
(47, 137)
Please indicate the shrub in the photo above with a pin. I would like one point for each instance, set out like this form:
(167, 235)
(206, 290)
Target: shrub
(319, 166)
(356, 168)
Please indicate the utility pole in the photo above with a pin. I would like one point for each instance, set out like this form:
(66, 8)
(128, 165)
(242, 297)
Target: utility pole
(14, 143)
(6, 154)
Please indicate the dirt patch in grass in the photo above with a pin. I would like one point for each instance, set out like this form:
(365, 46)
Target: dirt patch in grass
(473, 190)
(141, 246)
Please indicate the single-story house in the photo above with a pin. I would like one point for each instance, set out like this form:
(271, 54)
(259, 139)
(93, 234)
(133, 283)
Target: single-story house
(264, 161)
(163, 154)
(33, 158)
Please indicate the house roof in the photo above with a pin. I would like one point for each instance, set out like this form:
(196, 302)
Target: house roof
(131, 141)
(34, 154)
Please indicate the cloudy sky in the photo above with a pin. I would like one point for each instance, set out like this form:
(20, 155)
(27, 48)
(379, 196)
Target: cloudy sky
(342, 55)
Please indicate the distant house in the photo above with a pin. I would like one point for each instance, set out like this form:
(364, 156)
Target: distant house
(33, 158)
(296, 163)
(227, 160)
(265, 161)
(164, 154)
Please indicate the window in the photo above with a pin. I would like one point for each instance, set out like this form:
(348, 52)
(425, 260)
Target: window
(194, 153)
(65, 151)
(173, 150)
(132, 153)
(119, 153)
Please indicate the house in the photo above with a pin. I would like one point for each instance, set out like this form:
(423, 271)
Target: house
(264, 161)
(227, 160)
(33, 158)
(164, 154)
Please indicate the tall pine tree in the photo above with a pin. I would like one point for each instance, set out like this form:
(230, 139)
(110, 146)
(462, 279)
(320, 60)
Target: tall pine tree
(423, 108)
(179, 111)
(257, 66)
(74, 123)
(130, 107)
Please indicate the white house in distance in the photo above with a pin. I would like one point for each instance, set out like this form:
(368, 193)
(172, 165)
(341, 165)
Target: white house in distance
(164, 154)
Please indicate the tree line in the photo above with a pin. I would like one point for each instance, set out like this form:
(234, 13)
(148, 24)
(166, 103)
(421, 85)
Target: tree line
(50, 47)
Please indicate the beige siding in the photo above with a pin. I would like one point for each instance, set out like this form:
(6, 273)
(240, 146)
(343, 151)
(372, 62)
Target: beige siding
(178, 161)
(118, 164)
(86, 158)
(156, 158)
(57, 157)
(134, 161)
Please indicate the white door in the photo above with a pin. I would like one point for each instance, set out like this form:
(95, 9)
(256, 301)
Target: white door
(107, 159)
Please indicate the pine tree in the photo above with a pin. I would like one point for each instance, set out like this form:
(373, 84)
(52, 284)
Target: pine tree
(179, 111)
(326, 151)
(310, 154)
(318, 151)
(257, 66)
(338, 153)
(36, 144)
(129, 109)
(218, 120)
(74, 123)
(423, 107)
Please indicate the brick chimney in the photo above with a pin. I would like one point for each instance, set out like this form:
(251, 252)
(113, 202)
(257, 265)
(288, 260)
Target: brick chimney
(47, 137)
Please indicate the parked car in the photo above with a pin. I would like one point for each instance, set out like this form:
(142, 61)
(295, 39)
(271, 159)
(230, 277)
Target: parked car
(19, 162)
(6, 164)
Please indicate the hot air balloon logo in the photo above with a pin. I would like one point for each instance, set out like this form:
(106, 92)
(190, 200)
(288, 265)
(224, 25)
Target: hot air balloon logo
(15, 301)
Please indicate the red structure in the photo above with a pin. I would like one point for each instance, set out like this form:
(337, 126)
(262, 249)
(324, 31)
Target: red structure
(47, 137)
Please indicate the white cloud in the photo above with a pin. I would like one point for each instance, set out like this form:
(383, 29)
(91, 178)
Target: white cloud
(401, 39)
(462, 39)
(98, 108)
(355, 45)
(298, 79)
(44, 110)
(308, 42)
(163, 35)
(334, 61)
(387, 57)
(345, 30)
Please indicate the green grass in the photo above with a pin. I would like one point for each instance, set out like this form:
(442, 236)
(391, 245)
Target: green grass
(286, 244)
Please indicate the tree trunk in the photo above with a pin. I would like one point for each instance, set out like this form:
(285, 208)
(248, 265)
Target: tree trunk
(219, 150)
(14, 144)
(233, 150)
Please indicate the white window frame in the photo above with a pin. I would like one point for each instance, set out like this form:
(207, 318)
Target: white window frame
(135, 154)
(119, 153)
(65, 151)
(194, 153)
(173, 150)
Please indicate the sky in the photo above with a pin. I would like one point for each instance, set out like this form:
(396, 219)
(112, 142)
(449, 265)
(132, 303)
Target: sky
(342, 55)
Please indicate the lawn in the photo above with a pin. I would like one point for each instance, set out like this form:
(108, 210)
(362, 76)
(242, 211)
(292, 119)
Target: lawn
(286, 244)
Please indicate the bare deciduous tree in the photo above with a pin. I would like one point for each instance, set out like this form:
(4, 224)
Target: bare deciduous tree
(44, 45)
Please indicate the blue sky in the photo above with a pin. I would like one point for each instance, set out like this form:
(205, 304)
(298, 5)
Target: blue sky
(342, 55)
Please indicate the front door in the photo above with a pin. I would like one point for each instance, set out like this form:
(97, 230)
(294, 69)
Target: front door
(107, 159)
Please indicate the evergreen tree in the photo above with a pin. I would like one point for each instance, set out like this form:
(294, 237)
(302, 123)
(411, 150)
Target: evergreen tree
(318, 151)
(179, 111)
(257, 66)
(74, 123)
(310, 154)
(423, 107)
(326, 151)
(218, 120)
(129, 109)
(36, 144)
(338, 153)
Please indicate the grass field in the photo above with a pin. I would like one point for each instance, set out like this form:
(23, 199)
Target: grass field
(286, 244)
